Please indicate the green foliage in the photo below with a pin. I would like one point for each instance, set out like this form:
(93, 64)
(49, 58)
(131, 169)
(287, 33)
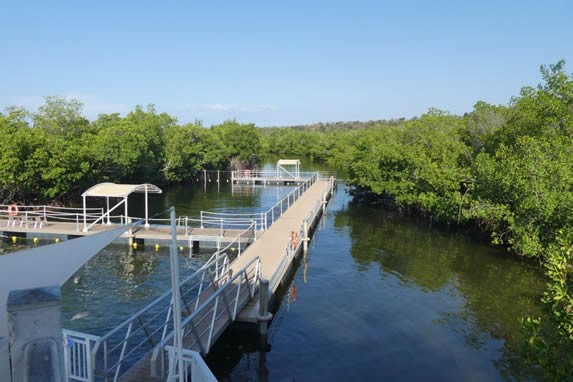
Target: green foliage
(242, 142)
(505, 170)
(56, 153)
(189, 149)
(550, 344)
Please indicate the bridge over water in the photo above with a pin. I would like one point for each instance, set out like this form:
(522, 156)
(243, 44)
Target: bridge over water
(222, 291)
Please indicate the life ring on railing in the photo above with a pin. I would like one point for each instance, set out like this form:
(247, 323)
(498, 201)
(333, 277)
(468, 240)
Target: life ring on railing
(13, 210)
(294, 237)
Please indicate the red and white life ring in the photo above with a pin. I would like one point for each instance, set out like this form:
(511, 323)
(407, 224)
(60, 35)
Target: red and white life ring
(13, 210)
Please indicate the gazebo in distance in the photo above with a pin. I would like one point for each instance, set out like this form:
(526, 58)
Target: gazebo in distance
(288, 168)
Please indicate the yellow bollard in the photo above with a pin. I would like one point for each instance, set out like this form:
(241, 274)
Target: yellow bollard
(181, 248)
(134, 245)
(36, 240)
(57, 239)
(156, 247)
(14, 239)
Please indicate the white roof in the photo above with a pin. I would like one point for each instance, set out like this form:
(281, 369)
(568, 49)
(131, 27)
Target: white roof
(114, 190)
(291, 162)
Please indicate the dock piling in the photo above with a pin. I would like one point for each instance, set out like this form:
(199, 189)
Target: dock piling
(305, 239)
(264, 314)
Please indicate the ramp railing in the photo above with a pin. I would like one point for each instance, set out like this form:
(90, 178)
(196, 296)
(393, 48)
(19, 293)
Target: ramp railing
(194, 367)
(218, 308)
(28, 216)
(77, 356)
(121, 347)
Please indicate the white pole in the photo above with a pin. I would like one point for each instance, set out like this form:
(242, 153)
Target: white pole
(107, 204)
(146, 209)
(177, 339)
(125, 203)
(85, 223)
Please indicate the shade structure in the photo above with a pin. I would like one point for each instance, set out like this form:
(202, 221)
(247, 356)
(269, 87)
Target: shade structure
(288, 167)
(115, 190)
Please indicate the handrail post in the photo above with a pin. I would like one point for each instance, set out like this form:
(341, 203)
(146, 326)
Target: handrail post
(221, 227)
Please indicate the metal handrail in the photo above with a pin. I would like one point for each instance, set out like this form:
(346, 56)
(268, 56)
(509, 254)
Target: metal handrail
(249, 276)
(194, 367)
(152, 323)
(236, 239)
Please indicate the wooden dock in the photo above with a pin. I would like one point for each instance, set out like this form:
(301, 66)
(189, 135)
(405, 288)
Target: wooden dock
(271, 247)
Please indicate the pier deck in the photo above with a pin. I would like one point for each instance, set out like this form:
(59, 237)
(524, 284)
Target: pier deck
(270, 247)
(151, 235)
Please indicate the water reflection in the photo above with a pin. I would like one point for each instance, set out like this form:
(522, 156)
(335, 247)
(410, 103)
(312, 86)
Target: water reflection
(484, 290)
(384, 297)
(135, 266)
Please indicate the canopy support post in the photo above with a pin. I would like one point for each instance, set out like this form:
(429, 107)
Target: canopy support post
(107, 204)
(146, 209)
(126, 216)
(85, 221)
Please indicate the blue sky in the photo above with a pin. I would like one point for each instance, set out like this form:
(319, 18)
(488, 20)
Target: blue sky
(278, 62)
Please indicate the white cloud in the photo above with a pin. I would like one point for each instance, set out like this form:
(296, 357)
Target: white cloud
(230, 108)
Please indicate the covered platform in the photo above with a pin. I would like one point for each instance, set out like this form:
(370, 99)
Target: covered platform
(121, 191)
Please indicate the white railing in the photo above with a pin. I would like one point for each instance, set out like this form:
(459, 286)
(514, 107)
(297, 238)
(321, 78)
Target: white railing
(264, 219)
(224, 220)
(115, 350)
(202, 327)
(291, 248)
(194, 367)
(250, 233)
(77, 356)
(276, 211)
(29, 216)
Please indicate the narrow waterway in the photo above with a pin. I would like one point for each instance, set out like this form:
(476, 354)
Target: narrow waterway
(385, 297)
(379, 297)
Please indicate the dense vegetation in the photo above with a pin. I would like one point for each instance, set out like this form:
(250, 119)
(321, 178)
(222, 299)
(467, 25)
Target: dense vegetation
(503, 170)
(56, 153)
(506, 171)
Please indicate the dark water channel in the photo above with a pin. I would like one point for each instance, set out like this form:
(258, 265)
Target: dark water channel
(379, 297)
(385, 297)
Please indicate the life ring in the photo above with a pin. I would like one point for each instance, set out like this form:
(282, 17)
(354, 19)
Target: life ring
(294, 239)
(13, 210)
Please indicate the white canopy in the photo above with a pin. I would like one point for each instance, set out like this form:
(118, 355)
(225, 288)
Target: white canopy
(114, 190)
(288, 162)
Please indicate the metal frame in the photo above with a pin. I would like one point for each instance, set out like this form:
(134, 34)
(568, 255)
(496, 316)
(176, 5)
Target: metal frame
(126, 190)
(194, 367)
